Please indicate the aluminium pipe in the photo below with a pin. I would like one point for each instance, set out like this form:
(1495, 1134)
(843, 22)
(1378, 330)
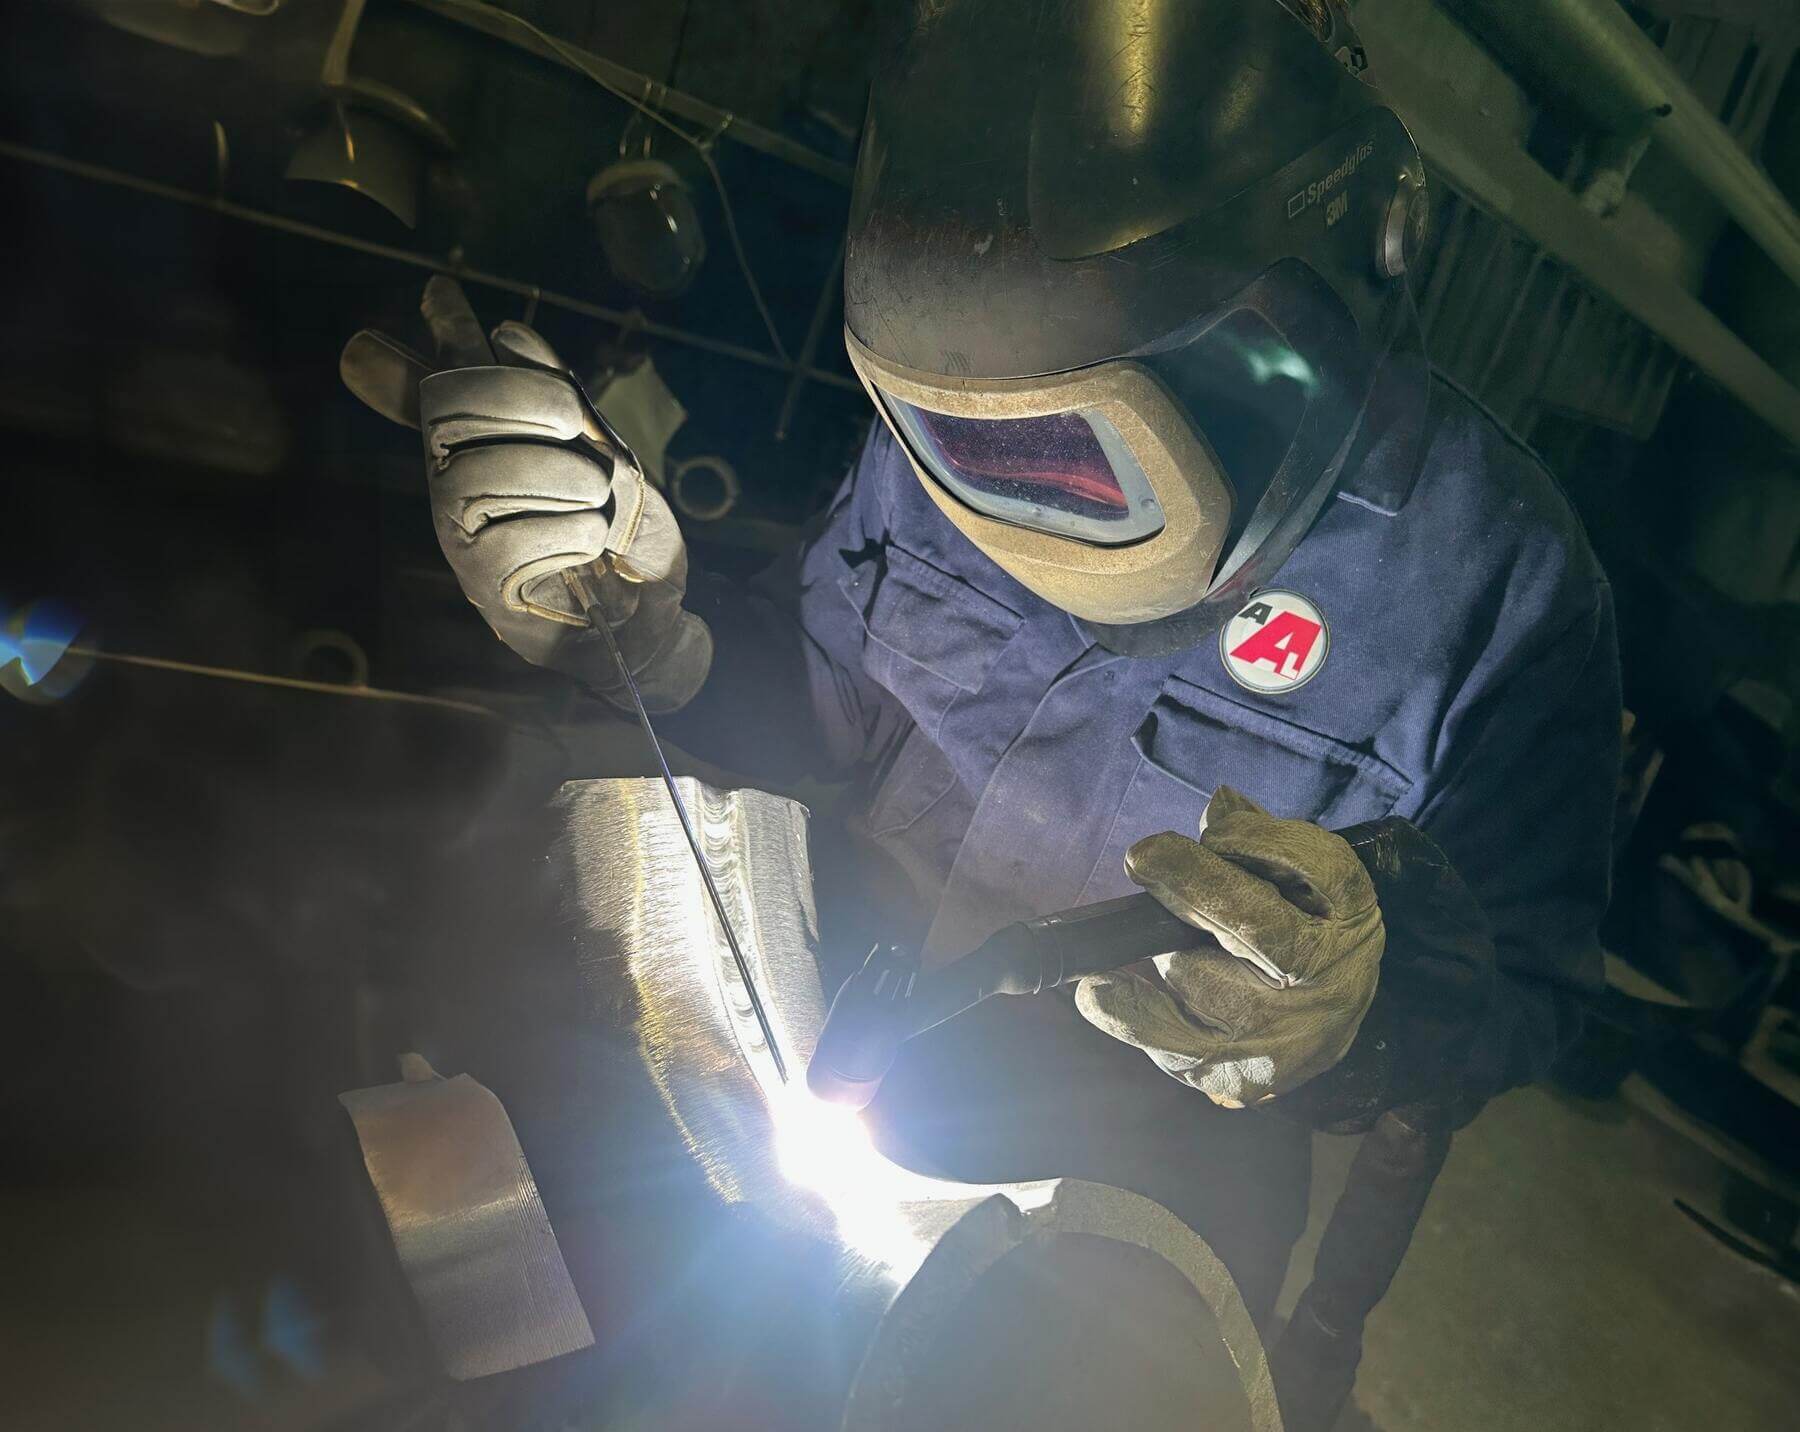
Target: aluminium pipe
(1592, 55)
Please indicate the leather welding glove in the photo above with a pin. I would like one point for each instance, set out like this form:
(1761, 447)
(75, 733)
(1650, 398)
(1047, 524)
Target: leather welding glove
(1291, 967)
(527, 480)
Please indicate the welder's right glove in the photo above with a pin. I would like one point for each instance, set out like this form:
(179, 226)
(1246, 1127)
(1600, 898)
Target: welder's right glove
(527, 481)
(1276, 994)
(1352, 974)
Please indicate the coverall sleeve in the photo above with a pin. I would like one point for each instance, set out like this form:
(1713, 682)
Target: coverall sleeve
(1528, 824)
(1489, 952)
(787, 696)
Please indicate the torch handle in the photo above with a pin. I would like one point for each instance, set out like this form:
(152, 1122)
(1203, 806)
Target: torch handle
(891, 999)
(1106, 936)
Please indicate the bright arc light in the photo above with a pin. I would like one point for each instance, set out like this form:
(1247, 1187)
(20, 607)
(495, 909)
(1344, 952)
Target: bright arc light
(826, 1149)
(882, 1212)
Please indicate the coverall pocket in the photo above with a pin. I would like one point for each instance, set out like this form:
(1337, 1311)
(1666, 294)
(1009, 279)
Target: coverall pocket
(929, 636)
(918, 779)
(1193, 740)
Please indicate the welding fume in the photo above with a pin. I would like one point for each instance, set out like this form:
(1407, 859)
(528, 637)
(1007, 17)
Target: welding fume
(1170, 583)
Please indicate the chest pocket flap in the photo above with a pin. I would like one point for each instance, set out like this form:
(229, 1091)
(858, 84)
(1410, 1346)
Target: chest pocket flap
(930, 635)
(1200, 740)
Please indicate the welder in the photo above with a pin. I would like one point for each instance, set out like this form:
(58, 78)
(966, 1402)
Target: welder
(1167, 556)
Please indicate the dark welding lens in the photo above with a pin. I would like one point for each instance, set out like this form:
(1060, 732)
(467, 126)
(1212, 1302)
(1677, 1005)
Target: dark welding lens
(1066, 473)
(1247, 388)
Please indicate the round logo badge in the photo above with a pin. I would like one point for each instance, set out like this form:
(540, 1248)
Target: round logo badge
(1276, 643)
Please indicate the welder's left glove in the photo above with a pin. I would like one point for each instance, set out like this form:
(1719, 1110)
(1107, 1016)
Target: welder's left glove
(527, 479)
(1296, 948)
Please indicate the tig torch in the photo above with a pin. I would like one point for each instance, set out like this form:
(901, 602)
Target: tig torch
(891, 999)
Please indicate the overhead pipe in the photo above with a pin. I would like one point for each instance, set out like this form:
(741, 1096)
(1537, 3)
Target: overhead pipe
(1506, 182)
(532, 293)
(1592, 57)
(517, 31)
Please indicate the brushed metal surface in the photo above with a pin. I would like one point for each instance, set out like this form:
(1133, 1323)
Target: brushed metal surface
(468, 1224)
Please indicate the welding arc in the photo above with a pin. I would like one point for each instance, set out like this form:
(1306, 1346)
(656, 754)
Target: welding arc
(589, 601)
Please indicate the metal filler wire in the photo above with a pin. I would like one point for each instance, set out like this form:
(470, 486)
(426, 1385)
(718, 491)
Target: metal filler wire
(581, 588)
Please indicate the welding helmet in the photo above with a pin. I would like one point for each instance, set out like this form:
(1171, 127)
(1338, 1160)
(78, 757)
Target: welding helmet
(1124, 278)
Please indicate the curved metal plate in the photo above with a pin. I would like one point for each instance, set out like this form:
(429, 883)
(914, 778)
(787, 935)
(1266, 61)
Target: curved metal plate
(467, 1222)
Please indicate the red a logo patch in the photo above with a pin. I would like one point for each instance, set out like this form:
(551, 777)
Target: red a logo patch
(1276, 643)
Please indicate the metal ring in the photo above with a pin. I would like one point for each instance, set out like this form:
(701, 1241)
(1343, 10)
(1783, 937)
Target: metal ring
(697, 505)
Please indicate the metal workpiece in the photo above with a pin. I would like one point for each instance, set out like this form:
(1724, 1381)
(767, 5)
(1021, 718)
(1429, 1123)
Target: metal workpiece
(960, 1346)
(657, 965)
(953, 1305)
(464, 1213)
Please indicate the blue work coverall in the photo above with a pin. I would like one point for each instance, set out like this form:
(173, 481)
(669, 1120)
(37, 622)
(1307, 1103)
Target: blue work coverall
(1005, 761)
